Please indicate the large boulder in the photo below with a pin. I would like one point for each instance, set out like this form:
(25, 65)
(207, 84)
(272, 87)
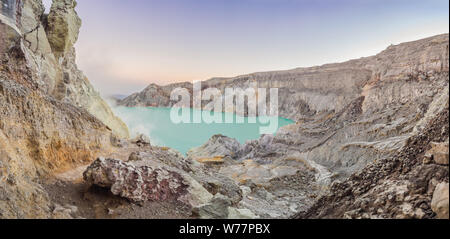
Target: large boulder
(440, 201)
(140, 182)
(63, 26)
(439, 153)
(46, 69)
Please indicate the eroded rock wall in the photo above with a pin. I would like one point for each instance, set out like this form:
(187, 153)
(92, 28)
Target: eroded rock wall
(49, 48)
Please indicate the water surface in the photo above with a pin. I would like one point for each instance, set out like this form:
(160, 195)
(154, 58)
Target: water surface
(156, 123)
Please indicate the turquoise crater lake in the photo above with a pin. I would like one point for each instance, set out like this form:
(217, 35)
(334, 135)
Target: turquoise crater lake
(156, 123)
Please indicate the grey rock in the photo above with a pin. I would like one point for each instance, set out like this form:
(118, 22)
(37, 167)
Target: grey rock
(217, 183)
(217, 208)
(235, 213)
(141, 182)
(439, 153)
(440, 201)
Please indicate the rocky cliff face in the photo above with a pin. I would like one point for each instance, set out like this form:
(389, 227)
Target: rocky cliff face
(51, 119)
(49, 47)
(332, 87)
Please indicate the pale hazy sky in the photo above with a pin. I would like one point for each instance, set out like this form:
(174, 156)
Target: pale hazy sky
(126, 45)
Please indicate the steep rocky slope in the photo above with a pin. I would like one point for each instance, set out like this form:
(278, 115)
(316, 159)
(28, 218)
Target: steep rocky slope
(53, 125)
(51, 119)
(402, 185)
(49, 48)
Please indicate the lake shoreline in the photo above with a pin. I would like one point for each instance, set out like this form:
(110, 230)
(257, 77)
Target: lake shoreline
(162, 131)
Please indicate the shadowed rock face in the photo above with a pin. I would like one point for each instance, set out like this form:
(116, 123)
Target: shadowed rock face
(7, 8)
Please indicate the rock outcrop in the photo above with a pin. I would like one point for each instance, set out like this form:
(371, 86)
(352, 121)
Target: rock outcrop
(439, 154)
(439, 204)
(49, 49)
(218, 146)
(44, 130)
(62, 27)
(153, 96)
(141, 181)
(220, 207)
